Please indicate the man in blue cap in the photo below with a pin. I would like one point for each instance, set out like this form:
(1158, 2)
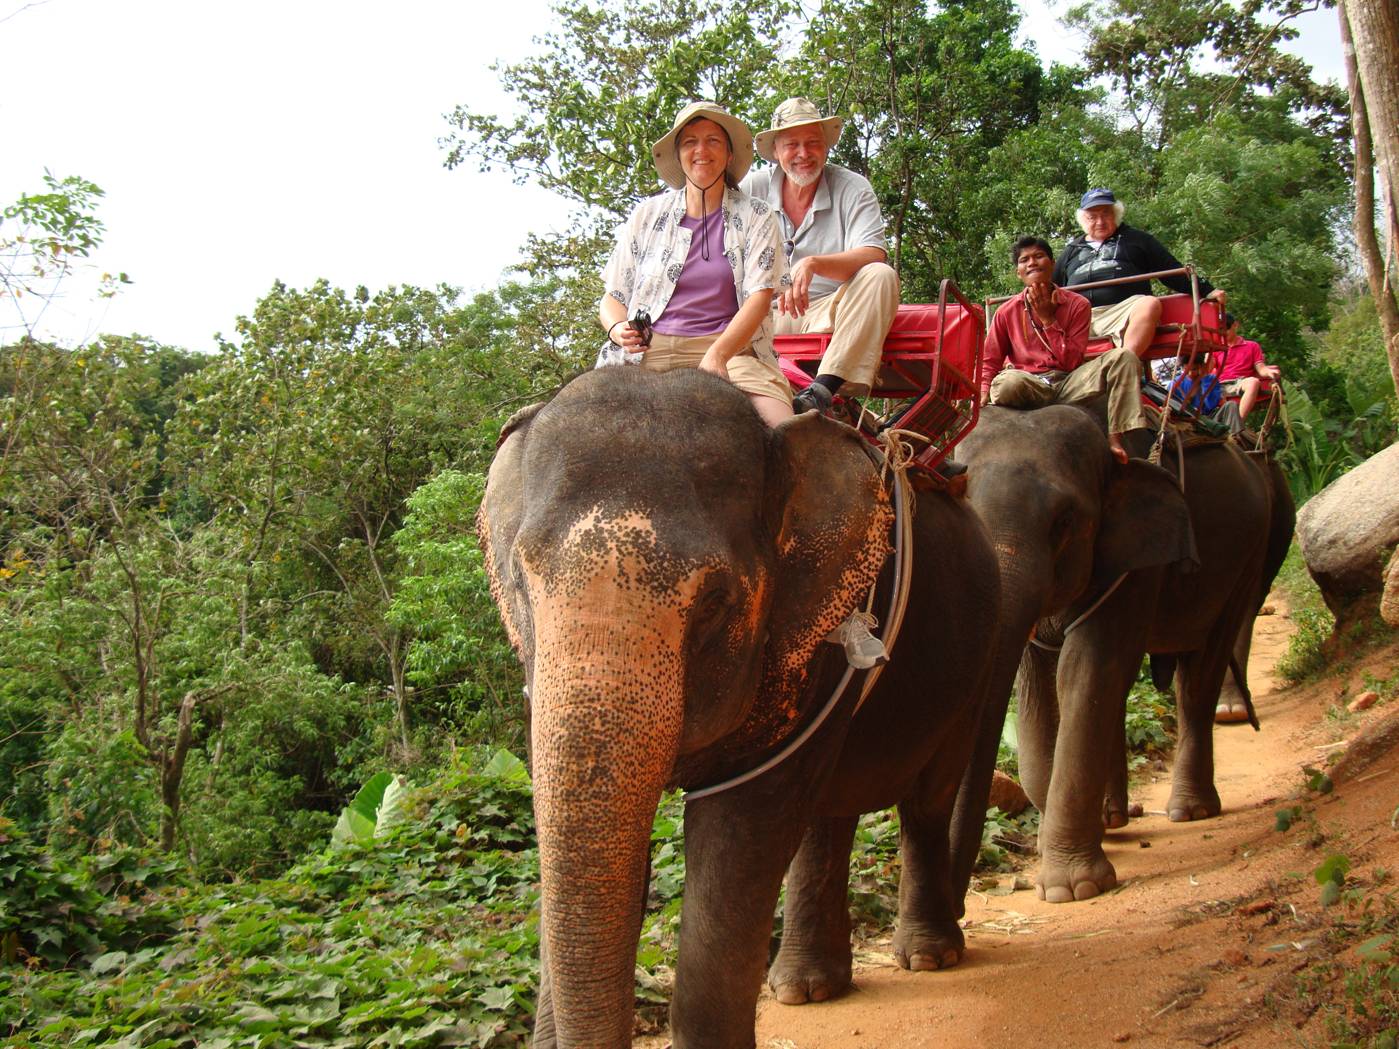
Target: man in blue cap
(1125, 313)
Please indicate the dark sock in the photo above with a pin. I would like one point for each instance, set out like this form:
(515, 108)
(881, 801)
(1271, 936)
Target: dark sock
(830, 382)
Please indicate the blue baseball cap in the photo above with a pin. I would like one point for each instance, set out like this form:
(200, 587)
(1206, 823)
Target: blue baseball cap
(1094, 197)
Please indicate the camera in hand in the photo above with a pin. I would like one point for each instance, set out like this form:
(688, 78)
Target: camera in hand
(641, 324)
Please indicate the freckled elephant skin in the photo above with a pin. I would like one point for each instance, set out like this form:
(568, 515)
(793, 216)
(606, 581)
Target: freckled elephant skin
(1066, 522)
(666, 568)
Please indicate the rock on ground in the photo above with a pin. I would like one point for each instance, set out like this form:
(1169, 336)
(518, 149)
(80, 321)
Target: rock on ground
(1007, 795)
(1347, 531)
(1389, 602)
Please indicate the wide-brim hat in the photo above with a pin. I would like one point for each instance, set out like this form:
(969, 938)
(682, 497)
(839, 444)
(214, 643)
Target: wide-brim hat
(668, 163)
(797, 112)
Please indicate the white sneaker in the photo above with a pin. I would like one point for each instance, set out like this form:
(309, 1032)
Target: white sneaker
(862, 649)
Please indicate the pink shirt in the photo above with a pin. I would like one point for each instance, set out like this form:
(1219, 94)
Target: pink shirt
(1017, 338)
(1239, 360)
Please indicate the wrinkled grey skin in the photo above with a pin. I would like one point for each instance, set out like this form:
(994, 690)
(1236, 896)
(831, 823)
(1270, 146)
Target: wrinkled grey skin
(1066, 521)
(667, 568)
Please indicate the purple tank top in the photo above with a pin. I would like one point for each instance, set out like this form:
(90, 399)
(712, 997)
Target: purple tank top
(704, 299)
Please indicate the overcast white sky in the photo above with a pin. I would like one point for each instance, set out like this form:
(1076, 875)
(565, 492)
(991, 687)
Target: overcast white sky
(242, 143)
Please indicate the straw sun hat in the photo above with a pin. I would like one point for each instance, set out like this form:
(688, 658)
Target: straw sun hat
(740, 160)
(796, 112)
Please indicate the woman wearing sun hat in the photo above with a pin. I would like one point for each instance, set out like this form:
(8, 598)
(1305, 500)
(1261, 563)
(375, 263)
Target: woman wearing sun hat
(703, 261)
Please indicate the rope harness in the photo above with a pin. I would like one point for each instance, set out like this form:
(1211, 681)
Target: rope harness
(898, 453)
(1091, 609)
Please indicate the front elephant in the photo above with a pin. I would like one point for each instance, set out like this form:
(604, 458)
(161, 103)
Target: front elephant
(666, 568)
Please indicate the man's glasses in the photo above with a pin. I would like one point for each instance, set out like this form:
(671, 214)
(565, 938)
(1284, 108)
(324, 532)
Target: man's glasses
(789, 246)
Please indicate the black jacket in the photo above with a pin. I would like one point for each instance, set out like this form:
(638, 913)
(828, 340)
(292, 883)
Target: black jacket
(1127, 252)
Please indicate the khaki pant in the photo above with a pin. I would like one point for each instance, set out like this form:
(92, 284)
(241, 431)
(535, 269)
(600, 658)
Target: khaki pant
(1119, 372)
(1110, 322)
(857, 315)
(759, 376)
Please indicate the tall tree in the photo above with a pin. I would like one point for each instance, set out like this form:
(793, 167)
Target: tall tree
(927, 95)
(1155, 51)
(1370, 34)
(606, 84)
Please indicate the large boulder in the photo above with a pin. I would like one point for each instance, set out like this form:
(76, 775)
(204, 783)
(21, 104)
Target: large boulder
(1348, 531)
(1389, 601)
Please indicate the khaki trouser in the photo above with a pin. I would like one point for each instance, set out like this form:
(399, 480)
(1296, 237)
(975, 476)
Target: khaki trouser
(1110, 322)
(857, 315)
(1119, 372)
(757, 374)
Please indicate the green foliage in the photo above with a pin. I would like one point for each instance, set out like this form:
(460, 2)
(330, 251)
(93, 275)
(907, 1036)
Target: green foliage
(375, 810)
(1150, 722)
(45, 910)
(609, 79)
(930, 95)
(1306, 655)
(1325, 443)
(459, 660)
(101, 789)
(1178, 62)
(1318, 782)
(43, 237)
(421, 937)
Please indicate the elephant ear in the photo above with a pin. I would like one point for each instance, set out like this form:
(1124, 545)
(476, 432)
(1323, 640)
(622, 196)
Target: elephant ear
(831, 517)
(498, 521)
(1145, 522)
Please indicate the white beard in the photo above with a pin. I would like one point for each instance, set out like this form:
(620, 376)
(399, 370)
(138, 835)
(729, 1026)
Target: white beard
(804, 180)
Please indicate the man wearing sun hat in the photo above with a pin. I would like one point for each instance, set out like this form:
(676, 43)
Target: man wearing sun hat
(1109, 248)
(839, 280)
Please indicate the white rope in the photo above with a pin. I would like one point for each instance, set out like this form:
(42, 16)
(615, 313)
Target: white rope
(1091, 609)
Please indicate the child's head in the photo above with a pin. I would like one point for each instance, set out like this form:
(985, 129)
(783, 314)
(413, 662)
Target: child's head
(1197, 366)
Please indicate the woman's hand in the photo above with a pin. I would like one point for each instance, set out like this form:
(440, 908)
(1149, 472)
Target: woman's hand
(714, 363)
(627, 337)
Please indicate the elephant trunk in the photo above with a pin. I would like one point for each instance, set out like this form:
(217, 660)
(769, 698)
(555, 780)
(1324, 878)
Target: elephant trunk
(605, 730)
(1024, 583)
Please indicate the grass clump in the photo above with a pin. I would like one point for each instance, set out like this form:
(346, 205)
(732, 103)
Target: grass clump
(1306, 652)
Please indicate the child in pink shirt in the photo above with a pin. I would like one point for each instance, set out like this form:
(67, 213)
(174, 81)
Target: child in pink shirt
(1241, 367)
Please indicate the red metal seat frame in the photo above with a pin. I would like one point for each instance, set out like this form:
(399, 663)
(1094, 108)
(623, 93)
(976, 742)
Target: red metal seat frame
(926, 369)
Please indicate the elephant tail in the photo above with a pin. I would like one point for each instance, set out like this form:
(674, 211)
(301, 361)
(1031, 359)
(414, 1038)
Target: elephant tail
(1241, 679)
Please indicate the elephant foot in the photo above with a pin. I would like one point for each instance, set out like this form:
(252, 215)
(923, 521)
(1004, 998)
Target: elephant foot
(797, 977)
(1065, 882)
(1186, 805)
(925, 946)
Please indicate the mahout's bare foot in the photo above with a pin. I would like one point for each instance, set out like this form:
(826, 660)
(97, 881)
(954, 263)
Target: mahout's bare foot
(1115, 447)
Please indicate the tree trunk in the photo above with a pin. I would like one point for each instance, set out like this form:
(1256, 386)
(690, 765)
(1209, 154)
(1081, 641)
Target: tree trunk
(1366, 240)
(1374, 29)
(172, 772)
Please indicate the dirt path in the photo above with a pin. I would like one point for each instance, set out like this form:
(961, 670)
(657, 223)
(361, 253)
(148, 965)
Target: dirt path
(1179, 954)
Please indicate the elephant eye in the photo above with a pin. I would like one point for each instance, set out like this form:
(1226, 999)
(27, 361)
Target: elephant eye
(710, 609)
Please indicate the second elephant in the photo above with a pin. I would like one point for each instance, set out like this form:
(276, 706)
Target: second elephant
(1134, 564)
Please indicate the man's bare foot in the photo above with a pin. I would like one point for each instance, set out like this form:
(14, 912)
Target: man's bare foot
(1115, 446)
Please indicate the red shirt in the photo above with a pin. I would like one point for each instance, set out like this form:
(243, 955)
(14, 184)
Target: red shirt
(1239, 360)
(1017, 336)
